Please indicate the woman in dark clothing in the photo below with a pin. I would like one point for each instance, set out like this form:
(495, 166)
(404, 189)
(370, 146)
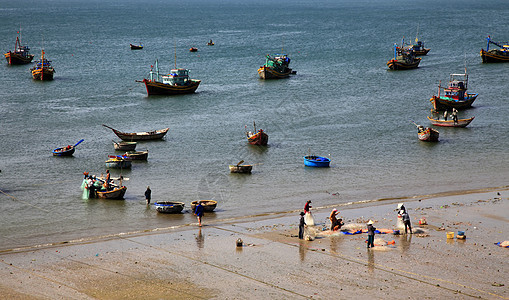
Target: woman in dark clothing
(371, 234)
(302, 224)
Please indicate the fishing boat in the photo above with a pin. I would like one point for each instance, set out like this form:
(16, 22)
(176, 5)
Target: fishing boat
(450, 123)
(239, 168)
(193, 49)
(136, 155)
(210, 43)
(418, 48)
(208, 205)
(495, 55)
(116, 193)
(21, 54)
(42, 69)
(427, 134)
(177, 82)
(118, 162)
(67, 150)
(98, 188)
(140, 136)
(275, 67)
(316, 161)
(403, 59)
(169, 207)
(455, 94)
(124, 146)
(136, 47)
(259, 138)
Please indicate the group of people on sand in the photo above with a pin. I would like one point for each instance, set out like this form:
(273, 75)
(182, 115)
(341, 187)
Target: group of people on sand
(306, 219)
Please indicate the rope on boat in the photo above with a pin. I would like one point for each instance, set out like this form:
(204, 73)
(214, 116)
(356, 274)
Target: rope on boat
(27, 203)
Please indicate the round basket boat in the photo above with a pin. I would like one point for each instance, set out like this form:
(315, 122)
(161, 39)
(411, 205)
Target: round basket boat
(208, 205)
(169, 207)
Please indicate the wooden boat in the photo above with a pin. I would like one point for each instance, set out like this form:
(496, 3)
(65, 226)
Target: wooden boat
(136, 155)
(42, 69)
(117, 193)
(169, 207)
(118, 162)
(210, 43)
(208, 205)
(20, 55)
(495, 55)
(67, 150)
(124, 146)
(316, 161)
(259, 138)
(450, 123)
(275, 67)
(427, 134)
(140, 136)
(417, 48)
(193, 49)
(403, 59)
(177, 82)
(456, 95)
(136, 47)
(238, 168)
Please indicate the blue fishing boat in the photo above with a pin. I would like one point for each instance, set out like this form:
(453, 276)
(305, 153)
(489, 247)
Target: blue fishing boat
(118, 161)
(316, 161)
(169, 207)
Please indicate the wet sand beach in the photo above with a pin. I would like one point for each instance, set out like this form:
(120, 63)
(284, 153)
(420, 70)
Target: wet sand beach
(193, 263)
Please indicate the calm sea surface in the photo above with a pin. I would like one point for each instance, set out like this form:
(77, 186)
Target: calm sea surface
(343, 102)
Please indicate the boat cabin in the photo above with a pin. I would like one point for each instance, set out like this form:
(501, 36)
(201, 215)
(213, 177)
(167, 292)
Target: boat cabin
(177, 77)
(457, 87)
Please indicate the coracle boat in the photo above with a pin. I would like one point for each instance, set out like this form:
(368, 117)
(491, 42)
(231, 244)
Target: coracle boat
(117, 193)
(140, 136)
(259, 138)
(450, 123)
(427, 134)
(42, 69)
(456, 95)
(238, 168)
(119, 162)
(275, 67)
(316, 161)
(20, 55)
(136, 47)
(169, 207)
(208, 205)
(124, 146)
(495, 55)
(193, 49)
(177, 82)
(403, 59)
(136, 155)
(67, 150)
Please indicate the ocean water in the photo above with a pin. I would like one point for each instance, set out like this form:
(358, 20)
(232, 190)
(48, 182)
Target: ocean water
(343, 102)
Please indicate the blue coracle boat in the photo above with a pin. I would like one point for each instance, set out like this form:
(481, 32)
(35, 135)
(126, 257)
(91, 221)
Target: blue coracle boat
(316, 161)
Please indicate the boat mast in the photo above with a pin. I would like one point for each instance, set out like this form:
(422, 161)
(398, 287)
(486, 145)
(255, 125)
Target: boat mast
(42, 64)
(175, 55)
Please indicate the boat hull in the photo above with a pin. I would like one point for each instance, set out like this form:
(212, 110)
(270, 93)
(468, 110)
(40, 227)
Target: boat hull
(135, 47)
(316, 161)
(169, 207)
(62, 152)
(118, 164)
(442, 103)
(136, 155)
(493, 57)
(398, 65)
(208, 205)
(451, 123)
(158, 88)
(43, 74)
(240, 168)
(124, 146)
(268, 73)
(116, 194)
(260, 139)
(140, 136)
(15, 59)
(428, 135)
(421, 52)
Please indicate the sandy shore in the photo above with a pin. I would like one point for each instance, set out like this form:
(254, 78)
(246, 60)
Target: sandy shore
(194, 263)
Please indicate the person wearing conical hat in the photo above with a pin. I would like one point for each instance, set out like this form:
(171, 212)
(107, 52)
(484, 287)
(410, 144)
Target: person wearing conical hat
(371, 234)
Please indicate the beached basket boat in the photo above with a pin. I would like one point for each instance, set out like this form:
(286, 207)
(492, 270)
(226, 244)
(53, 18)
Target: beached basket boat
(208, 205)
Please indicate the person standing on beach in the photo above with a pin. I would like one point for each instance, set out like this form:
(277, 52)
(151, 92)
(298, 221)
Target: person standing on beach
(308, 216)
(371, 234)
(302, 224)
(406, 221)
(333, 219)
(198, 212)
(148, 194)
